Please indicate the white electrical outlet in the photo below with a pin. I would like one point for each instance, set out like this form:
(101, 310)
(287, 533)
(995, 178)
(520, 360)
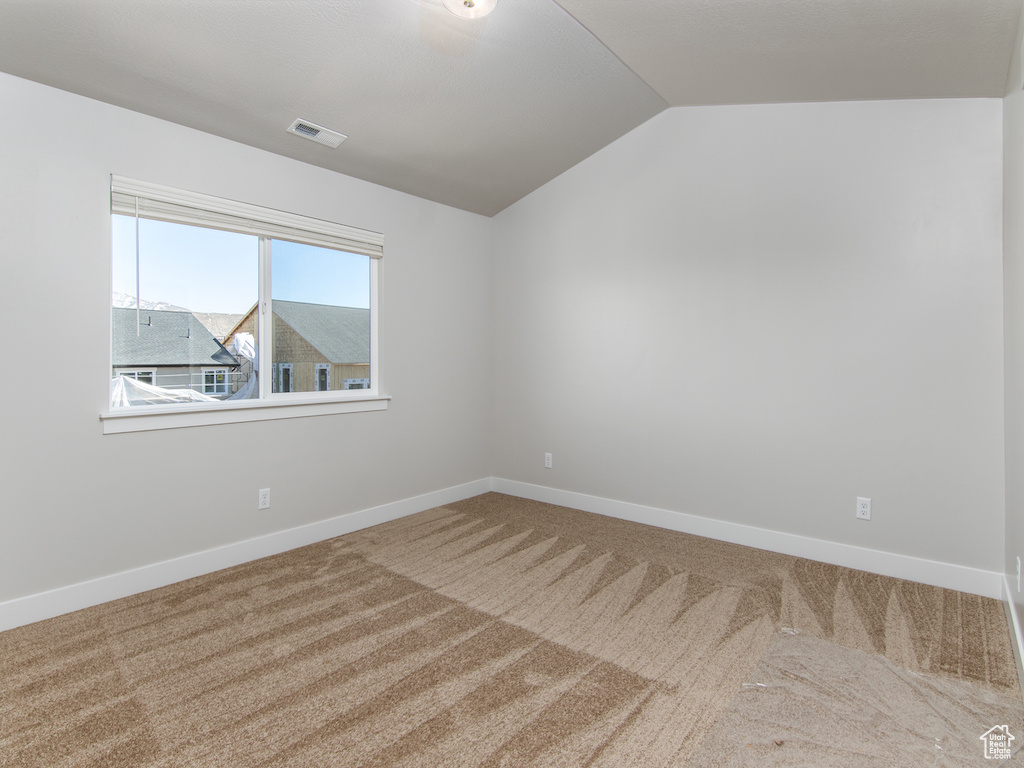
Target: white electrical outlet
(547, 460)
(1018, 573)
(264, 498)
(863, 508)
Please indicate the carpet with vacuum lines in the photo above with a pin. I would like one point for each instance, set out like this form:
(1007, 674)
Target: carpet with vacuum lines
(498, 631)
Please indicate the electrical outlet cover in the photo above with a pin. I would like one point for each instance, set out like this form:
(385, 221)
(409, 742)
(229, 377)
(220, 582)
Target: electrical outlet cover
(863, 508)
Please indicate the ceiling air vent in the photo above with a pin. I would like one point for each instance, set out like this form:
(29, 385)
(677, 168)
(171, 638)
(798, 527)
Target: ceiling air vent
(316, 133)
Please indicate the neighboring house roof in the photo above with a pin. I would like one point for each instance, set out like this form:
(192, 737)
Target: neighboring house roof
(165, 338)
(341, 334)
(220, 324)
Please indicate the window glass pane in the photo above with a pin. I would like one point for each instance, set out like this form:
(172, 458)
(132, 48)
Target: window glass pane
(199, 288)
(321, 317)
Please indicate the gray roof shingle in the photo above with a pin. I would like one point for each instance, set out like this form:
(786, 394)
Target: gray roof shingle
(165, 338)
(341, 334)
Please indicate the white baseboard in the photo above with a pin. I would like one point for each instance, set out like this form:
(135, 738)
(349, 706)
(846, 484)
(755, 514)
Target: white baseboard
(45, 605)
(950, 576)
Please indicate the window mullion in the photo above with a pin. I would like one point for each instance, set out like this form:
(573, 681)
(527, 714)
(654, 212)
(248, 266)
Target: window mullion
(374, 338)
(263, 310)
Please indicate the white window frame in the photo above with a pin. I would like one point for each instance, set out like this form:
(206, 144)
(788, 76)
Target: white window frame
(224, 388)
(316, 376)
(154, 201)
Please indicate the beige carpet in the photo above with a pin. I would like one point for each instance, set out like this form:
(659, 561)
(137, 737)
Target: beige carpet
(815, 704)
(503, 632)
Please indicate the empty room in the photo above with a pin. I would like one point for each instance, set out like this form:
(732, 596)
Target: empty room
(511, 383)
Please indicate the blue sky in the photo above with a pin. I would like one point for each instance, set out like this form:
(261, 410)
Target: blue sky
(209, 270)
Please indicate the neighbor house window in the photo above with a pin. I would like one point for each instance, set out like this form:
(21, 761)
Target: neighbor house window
(215, 381)
(283, 377)
(357, 383)
(146, 377)
(208, 292)
(323, 377)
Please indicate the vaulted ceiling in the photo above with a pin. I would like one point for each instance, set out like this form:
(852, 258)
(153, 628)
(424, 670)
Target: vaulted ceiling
(479, 114)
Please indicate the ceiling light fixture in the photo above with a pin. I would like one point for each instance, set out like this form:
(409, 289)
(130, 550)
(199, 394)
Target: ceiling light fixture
(470, 9)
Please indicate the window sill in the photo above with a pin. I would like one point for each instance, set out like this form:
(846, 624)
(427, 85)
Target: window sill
(145, 419)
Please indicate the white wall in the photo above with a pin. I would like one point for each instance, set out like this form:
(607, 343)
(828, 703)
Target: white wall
(78, 505)
(1013, 280)
(754, 314)
(758, 313)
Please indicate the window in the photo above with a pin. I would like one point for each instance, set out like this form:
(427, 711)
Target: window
(146, 377)
(208, 292)
(323, 377)
(283, 377)
(357, 383)
(215, 381)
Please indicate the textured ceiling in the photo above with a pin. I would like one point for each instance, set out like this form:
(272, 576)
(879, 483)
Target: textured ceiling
(764, 51)
(478, 114)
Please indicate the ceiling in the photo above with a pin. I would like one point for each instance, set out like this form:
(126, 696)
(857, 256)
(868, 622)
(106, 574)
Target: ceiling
(477, 115)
